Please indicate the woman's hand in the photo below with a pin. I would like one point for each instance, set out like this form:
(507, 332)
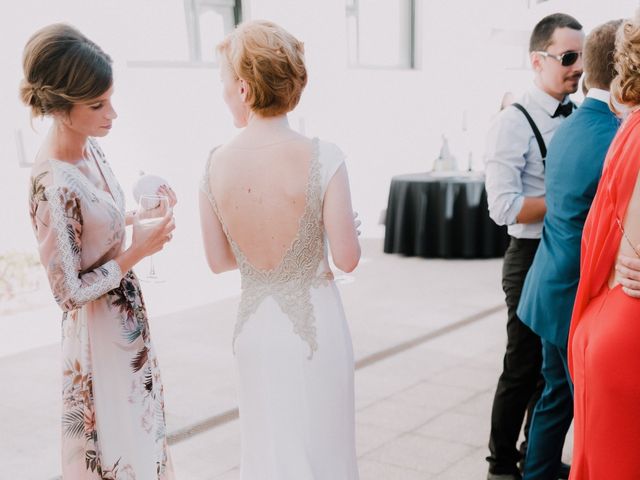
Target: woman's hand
(167, 191)
(147, 240)
(628, 275)
(151, 238)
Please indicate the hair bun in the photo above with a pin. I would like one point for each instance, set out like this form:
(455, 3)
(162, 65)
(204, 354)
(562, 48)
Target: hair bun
(62, 68)
(30, 97)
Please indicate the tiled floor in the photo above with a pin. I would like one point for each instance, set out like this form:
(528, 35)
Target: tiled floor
(422, 412)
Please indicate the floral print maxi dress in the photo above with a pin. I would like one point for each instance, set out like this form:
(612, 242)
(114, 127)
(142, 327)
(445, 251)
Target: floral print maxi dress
(113, 422)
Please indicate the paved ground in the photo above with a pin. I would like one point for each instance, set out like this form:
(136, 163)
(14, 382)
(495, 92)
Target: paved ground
(428, 336)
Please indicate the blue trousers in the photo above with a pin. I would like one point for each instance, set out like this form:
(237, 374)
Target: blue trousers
(552, 416)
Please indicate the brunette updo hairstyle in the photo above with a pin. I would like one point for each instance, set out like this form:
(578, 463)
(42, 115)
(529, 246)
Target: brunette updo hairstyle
(271, 62)
(62, 67)
(625, 87)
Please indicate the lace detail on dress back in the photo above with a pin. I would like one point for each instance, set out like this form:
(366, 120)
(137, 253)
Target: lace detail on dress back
(290, 282)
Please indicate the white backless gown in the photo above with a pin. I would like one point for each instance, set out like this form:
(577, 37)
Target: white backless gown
(293, 351)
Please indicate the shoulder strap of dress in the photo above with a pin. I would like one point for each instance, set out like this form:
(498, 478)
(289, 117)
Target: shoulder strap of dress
(205, 186)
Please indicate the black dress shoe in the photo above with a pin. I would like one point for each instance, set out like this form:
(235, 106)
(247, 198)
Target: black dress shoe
(563, 472)
(498, 476)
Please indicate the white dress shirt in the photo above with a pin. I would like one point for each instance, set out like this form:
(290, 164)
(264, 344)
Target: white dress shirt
(513, 162)
(598, 94)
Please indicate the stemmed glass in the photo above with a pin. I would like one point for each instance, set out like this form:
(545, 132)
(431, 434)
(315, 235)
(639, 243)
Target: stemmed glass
(151, 209)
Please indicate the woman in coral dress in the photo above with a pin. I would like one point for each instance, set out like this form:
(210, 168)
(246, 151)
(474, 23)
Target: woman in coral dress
(113, 424)
(604, 342)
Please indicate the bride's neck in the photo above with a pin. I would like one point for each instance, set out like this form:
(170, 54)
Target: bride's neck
(267, 125)
(265, 131)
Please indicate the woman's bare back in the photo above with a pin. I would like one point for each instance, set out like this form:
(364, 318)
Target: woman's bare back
(261, 195)
(631, 231)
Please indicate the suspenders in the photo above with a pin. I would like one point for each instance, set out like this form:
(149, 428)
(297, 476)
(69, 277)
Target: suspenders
(536, 132)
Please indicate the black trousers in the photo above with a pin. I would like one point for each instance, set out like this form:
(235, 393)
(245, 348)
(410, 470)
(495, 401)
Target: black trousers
(520, 383)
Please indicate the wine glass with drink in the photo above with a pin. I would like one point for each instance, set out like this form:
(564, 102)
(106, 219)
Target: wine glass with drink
(151, 210)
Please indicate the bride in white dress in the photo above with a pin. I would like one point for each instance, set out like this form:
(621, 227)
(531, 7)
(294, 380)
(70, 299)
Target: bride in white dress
(270, 199)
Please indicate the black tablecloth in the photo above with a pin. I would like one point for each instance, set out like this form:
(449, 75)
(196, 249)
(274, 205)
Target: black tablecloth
(439, 215)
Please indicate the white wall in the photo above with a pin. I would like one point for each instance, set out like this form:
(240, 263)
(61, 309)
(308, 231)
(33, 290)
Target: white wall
(388, 121)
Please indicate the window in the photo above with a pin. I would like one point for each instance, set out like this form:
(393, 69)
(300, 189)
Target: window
(171, 42)
(208, 21)
(381, 33)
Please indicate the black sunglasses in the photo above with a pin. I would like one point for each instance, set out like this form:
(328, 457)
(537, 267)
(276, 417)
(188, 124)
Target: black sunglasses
(566, 59)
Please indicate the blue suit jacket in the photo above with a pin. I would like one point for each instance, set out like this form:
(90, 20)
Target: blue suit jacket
(573, 167)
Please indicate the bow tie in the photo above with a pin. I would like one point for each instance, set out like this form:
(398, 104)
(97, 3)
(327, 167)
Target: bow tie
(564, 110)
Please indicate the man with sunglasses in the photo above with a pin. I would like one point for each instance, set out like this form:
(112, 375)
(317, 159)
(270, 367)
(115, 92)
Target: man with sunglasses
(515, 165)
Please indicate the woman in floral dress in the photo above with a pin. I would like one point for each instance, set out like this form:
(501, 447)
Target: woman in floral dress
(113, 422)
